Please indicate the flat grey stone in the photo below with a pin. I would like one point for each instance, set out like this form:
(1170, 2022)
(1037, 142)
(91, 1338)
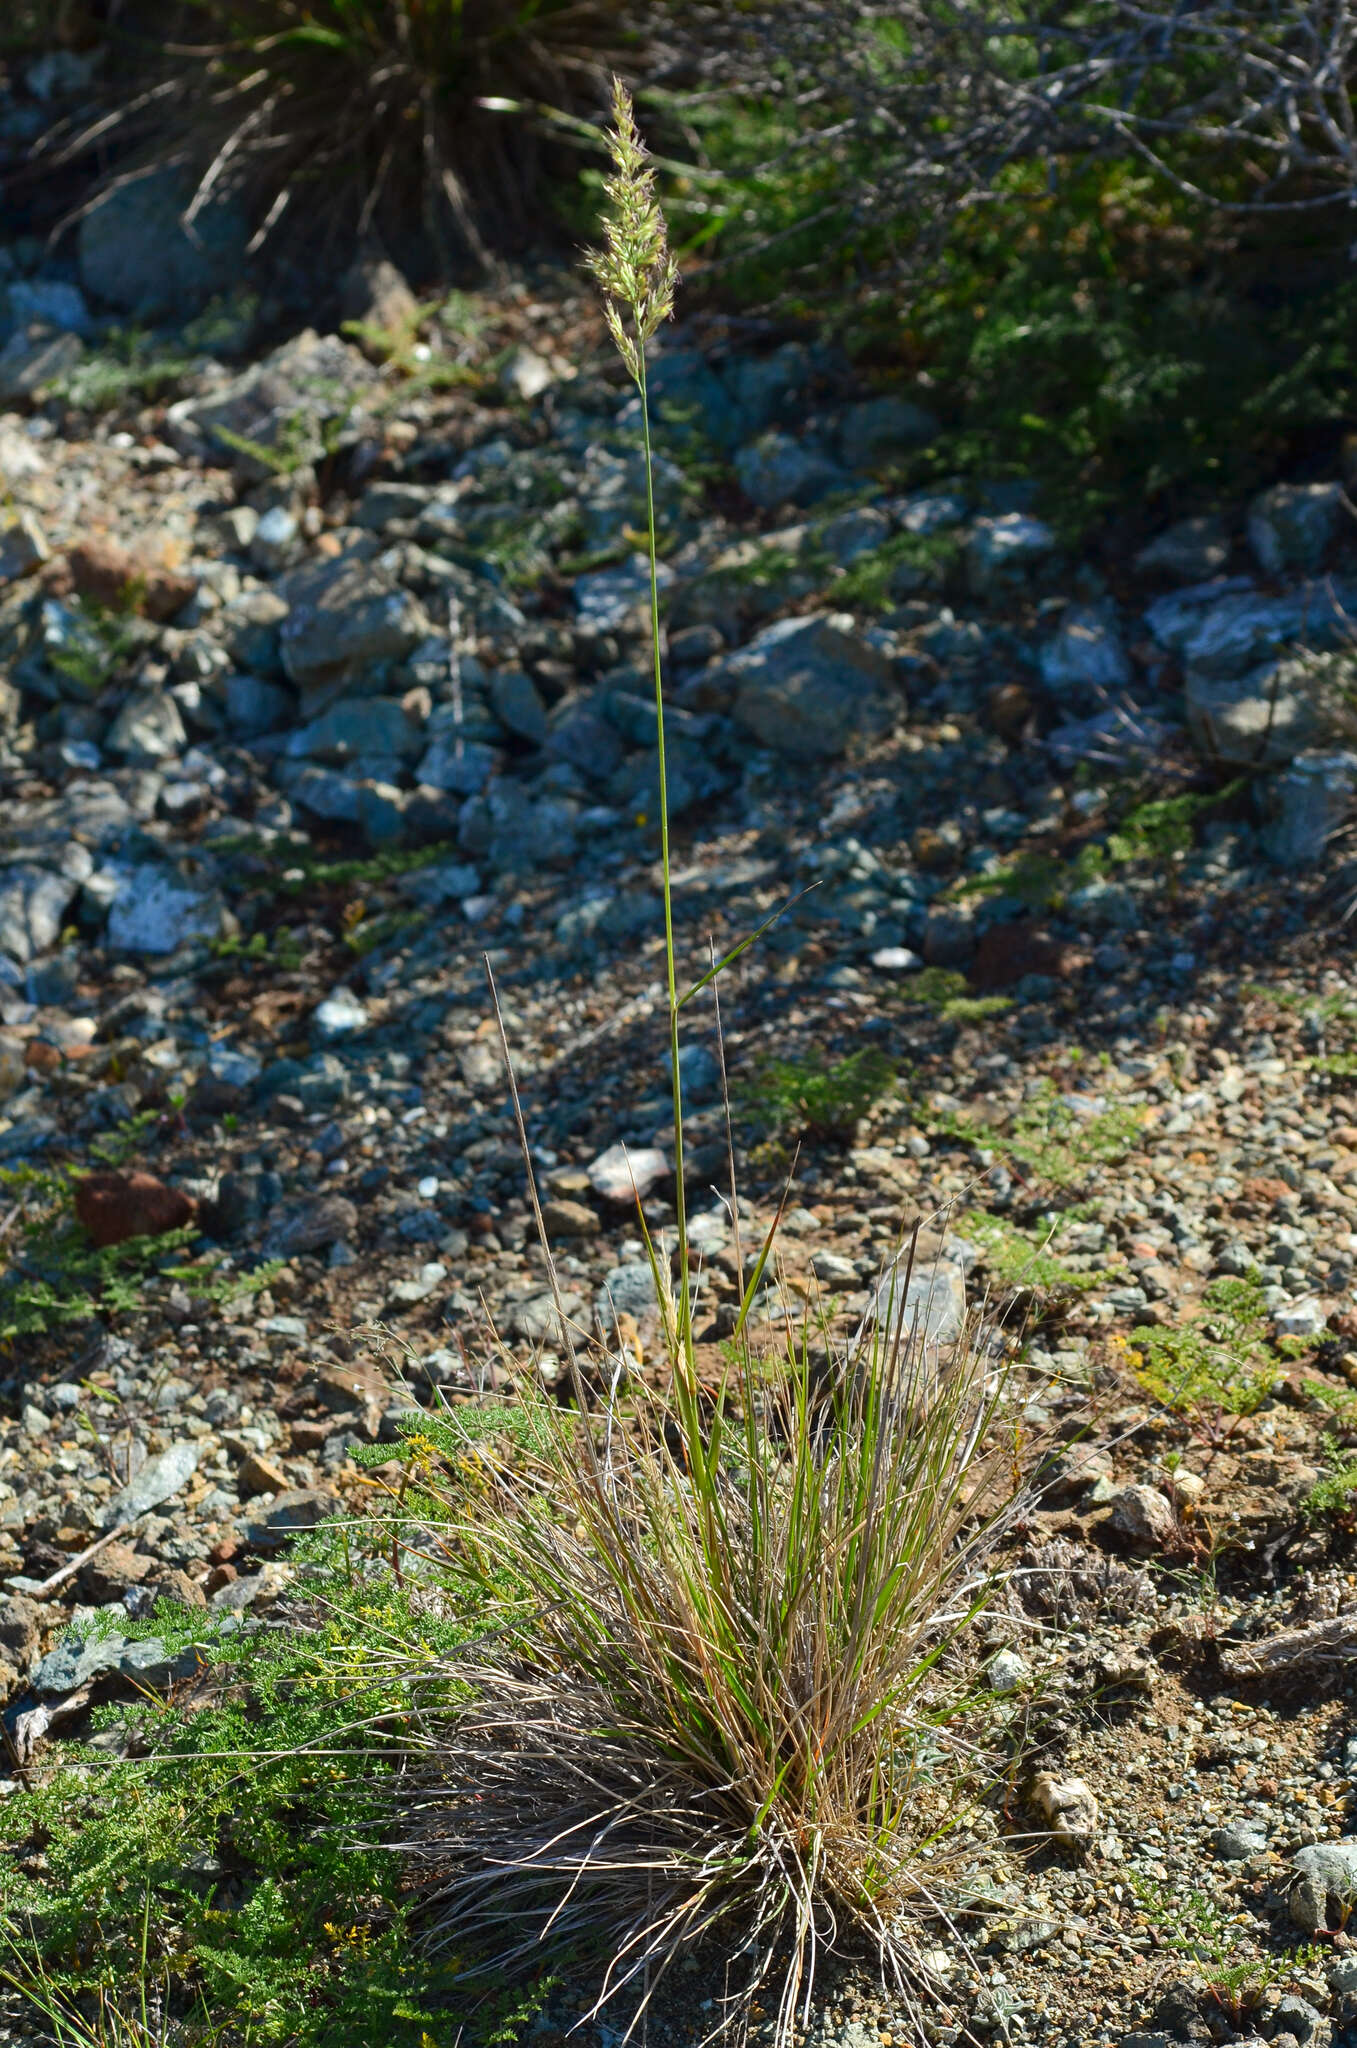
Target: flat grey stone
(1263, 718)
(158, 1480)
(156, 911)
(76, 1662)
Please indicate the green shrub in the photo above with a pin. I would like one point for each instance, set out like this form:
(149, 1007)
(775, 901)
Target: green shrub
(815, 1098)
(1219, 1363)
(229, 1873)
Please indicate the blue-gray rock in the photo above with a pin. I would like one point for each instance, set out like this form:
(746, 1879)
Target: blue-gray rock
(1306, 805)
(691, 777)
(1086, 659)
(1325, 1883)
(1256, 721)
(1295, 2015)
(699, 1074)
(927, 1307)
(274, 542)
(49, 302)
(359, 729)
(79, 1660)
(254, 707)
(136, 254)
(463, 766)
(324, 792)
(445, 882)
(777, 469)
(300, 400)
(1239, 1840)
(1000, 552)
(877, 431)
(149, 729)
(925, 512)
(289, 1514)
(627, 1290)
(1225, 628)
(605, 598)
(579, 732)
(1122, 739)
(949, 935)
(1190, 551)
(516, 704)
(33, 358)
(309, 1225)
(249, 630)
(23, 545)
(516, 831)
(156, 910)
(690, 402)
(1292, 526)
(343, 619)
(383, 502)
(808, 687)
(1105, 906)
(159, 1480)
(339, 1016)
(850, 535)
(383, 813)
(33, 905)
(767, 388)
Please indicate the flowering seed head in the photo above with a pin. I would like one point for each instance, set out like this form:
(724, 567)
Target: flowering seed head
(634, 266)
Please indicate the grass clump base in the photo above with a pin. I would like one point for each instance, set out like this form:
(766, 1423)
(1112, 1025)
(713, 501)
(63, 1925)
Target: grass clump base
(721, 1697)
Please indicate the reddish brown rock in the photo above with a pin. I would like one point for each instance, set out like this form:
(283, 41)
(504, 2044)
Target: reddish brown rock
(257, 1476)
(111, 1207)
(107, 1575)
(109, 574)
(1009, 711)
(1008, 951)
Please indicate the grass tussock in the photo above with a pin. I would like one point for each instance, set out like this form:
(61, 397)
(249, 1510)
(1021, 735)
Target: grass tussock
(723, 1697)
(360, 112)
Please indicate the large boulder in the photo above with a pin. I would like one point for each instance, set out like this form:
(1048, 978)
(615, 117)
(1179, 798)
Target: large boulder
(282, 412)
(809, 687)
(136, 254)
(344, 618)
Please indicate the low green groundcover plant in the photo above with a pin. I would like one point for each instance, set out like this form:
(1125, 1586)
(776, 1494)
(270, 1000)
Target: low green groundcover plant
(1220, 1362)
(217, 1872)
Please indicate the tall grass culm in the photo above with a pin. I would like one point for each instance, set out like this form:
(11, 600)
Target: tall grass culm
(722, 1690)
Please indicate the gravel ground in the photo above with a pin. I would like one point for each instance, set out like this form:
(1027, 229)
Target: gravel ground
(289, 757)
